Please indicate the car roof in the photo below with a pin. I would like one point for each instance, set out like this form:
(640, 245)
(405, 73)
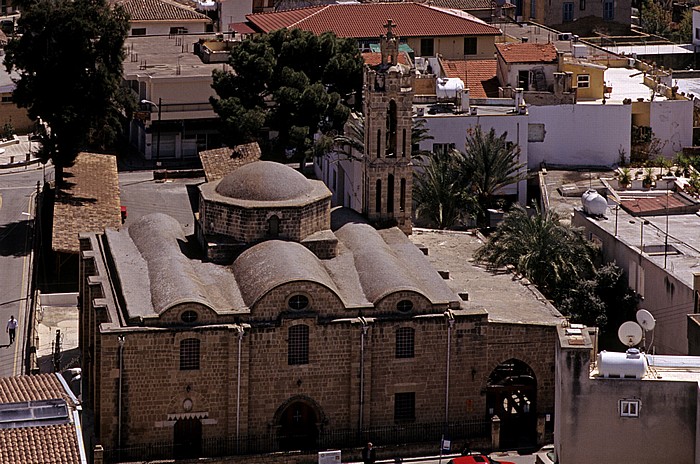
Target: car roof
(470, 459)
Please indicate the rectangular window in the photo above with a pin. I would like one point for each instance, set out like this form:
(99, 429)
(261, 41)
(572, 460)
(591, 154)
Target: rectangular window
(189, 354)
(298, 345)
(427, 47)
(138, 31)
(583, 81)
(6, 99)
(582, 5)
(470, 45)
(178, 30)
(697, 33)
(629, 408)
(443, 148)
(533, 9)
(404, 407)
(608, 11)
(568, 12)
(405, 337)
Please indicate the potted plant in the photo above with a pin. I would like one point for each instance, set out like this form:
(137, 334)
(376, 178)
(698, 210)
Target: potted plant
(648, 179)
(625, 178)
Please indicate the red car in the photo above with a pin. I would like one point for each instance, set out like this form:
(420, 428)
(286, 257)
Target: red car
(476, 459)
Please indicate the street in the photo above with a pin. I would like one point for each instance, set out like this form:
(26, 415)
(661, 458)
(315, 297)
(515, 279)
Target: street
(17, 191)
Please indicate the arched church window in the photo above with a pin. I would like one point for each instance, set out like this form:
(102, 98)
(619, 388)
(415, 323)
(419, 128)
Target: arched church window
(391, 129)
(390, 194)
(273, 226)
(402, 195)
(378, 197)
(403, 144)
(379, 143)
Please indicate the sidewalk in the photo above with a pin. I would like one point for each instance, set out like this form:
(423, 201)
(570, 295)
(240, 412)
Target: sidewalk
(19, 153)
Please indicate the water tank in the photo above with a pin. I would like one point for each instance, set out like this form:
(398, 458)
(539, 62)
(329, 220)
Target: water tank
(447, 87)
(629, 365)
(594, 204)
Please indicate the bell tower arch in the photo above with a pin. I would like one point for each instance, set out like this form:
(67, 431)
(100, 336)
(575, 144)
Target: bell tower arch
(388, 109)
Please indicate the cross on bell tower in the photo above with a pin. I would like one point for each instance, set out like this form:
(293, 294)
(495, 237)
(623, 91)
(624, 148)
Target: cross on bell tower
(389, 45)
(388, 110)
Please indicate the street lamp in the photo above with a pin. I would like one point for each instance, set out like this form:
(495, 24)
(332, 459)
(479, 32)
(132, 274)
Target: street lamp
(159, 106)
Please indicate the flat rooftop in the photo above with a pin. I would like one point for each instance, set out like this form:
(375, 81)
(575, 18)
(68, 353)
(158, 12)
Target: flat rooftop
(661, 49)
(505, 298)
(691, 85)
(166, 56)
(683, 238)
(628, 83)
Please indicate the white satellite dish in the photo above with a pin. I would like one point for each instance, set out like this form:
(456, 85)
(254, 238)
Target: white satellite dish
(630, 333)
(646, 320)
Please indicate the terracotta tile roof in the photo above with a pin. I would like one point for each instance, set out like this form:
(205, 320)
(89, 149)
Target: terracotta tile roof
(241, 28)
(37, 444)
(527, 52)
(159, 10)
(89, 202)
(463, 4)
(31, 388)
(219, 162)
(49, 444)
(479, 76)
(367, 20)
(374, 58)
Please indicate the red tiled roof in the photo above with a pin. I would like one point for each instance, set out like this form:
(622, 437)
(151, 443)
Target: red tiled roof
(241, 28)
(375, 58)
(479, 76)
(368, 19)
(219, 162)
(49, 444)
(159, 10)
(527, 52)
(31, 388)
(89, 202)
(463, 4)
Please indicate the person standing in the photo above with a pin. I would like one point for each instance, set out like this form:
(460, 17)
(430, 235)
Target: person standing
(11, 328)
(368, 454)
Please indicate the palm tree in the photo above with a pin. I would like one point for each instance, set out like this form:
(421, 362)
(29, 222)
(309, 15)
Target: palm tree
(437, 189)
(489, 163)
(551, 255)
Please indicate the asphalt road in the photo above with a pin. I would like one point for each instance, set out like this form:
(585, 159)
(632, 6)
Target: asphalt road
(16, 217)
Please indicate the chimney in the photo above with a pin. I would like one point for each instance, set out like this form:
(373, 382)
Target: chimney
(465, 100)
(519, 100)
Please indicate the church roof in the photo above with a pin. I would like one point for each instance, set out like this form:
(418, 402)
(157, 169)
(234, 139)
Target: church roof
(265, 181)
(368, 20)
(160, 10)
(273, 263)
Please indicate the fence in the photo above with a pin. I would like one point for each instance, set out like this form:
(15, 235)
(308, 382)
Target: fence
(333, 439)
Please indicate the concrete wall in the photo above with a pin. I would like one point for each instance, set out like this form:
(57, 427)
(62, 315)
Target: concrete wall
(163, 27)
(590, 428)
(511, 74)
(453, 129)
(452, 48)
(594, 91)
(672, 123)
(580, 135)
(11, 113)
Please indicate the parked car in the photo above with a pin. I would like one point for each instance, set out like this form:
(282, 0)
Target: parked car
(476, 459)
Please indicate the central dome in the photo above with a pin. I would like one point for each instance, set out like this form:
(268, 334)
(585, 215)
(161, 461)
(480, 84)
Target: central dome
(264, 181)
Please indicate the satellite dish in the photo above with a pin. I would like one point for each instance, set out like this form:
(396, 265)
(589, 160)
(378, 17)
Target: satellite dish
(630, 333)
(646, 320)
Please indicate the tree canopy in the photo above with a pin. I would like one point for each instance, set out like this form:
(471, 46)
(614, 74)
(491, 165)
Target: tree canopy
(70, 64)
(293, 83)
(468, 180)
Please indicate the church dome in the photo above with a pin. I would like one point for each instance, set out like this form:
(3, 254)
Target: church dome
(264, 181)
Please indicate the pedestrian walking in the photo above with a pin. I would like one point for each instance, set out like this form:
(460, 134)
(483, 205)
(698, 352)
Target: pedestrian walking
(368, 454)
(11, 328)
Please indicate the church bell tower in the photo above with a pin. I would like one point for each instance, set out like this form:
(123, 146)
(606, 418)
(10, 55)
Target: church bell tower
(388, 110)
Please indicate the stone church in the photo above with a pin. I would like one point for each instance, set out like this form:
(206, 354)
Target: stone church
(284, 324)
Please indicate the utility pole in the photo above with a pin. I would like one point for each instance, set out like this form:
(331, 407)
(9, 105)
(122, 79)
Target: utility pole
(57, 352)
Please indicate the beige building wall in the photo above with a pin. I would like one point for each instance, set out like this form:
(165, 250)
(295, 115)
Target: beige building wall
(11, 113)
(452, 48)
(596, 81)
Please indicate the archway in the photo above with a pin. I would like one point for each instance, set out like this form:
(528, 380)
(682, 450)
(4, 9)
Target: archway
(298, 426)
(511, 394)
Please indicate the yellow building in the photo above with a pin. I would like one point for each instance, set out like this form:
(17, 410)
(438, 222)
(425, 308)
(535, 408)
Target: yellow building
(588, 79)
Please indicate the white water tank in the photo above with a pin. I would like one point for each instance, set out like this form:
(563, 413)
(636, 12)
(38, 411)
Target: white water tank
(447, 87)
(629, 365)
(594, 204)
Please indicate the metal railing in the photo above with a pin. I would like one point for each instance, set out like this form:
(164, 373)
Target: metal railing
(274, 442)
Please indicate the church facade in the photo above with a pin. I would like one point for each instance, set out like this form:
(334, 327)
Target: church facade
(283, 324)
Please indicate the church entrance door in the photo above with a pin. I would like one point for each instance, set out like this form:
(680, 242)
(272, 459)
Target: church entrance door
(188, 438)
(511, 395)
(298, 428)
